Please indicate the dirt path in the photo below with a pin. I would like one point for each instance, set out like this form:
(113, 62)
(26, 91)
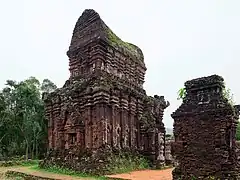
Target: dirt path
(147, 175)
(136, 175)
(38, 173)
(3, 170)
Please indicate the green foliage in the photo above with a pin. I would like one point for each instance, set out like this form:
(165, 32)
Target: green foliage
(226, 93)
(115, 41)
(181, 93)
(18, 163)
(22, 123)
(48, 86)
(14, 177)
(105, 162)
(124, 163)
(66, 171)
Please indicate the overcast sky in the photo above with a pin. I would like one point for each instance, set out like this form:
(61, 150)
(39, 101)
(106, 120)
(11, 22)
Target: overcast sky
(180, 39)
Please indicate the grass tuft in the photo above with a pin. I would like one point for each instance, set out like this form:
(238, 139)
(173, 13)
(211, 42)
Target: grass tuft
(18, 163)
(124, 163)
(66, 171)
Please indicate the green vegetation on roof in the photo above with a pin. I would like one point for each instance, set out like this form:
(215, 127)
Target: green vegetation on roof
(115, 41)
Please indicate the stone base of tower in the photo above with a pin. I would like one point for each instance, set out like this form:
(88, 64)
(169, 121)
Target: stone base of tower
(103, 161)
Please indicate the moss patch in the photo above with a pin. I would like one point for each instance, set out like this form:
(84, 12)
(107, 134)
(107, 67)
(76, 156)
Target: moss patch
(116, 42)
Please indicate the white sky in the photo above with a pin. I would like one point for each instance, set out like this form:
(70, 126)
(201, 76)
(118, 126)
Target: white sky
(181, 40)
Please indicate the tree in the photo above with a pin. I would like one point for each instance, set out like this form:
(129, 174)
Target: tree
(48, 86)
(22, 122)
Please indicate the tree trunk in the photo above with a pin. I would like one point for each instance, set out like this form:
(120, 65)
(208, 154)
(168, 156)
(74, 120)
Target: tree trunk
(2, 138)
(33, 146)
(36, 149)
(26, 151)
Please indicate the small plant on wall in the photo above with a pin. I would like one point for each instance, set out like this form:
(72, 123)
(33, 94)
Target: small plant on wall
(227, 94)
(181, 93)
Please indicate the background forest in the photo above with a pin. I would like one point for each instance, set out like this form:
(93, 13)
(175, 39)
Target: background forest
(23, 127)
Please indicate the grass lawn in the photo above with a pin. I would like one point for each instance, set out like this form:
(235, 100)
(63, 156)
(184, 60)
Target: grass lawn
(33, 169)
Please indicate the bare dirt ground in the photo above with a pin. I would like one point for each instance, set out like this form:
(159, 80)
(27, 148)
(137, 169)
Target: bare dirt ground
(3, 170)
(147, 175)
(136, 175)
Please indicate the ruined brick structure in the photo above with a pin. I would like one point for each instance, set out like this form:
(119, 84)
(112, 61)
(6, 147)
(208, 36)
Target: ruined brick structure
(205, 132)
(238, 153)
(237, 107)
(103, 103)
(168, 151)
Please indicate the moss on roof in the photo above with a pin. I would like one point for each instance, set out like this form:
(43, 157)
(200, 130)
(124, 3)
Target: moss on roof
(119, 44)
(90, 17)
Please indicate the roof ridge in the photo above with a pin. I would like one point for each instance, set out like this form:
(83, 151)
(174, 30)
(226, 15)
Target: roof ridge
(99, 29)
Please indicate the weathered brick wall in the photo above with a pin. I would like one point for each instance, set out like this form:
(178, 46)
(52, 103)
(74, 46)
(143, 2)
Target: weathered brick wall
(204, 130)
(168, 151)
(238, 152)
